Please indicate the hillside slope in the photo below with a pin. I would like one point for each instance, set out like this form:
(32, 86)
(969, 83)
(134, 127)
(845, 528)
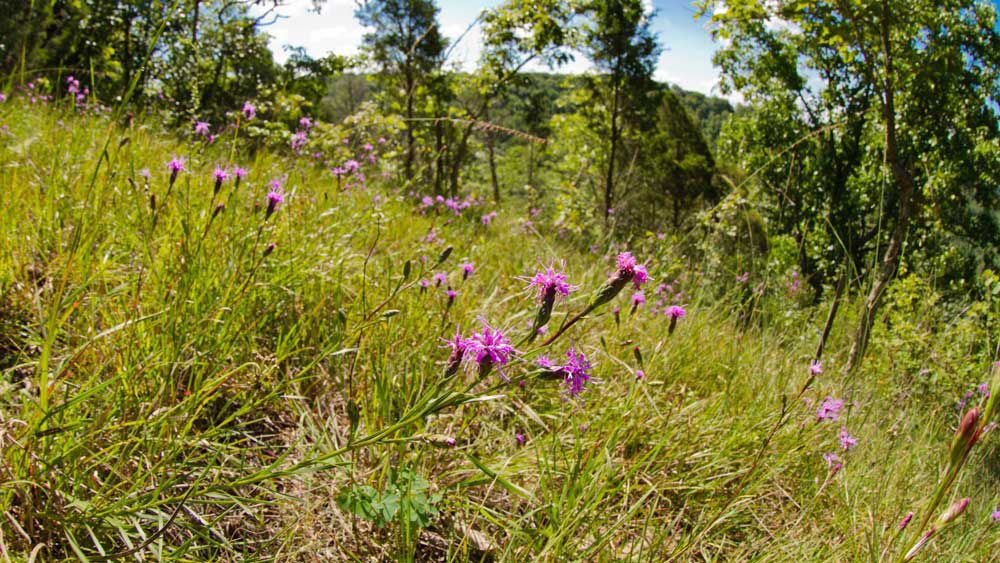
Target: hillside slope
(209, 369)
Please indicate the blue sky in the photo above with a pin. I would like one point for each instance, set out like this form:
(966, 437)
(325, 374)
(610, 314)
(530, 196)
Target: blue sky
(687, 47)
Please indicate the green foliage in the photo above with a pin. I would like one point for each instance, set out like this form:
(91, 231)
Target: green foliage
(406, 498)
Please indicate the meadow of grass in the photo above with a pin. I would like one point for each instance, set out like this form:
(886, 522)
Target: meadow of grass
(175, 387)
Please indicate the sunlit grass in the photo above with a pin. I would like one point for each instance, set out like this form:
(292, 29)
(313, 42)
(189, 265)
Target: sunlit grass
(175, 389)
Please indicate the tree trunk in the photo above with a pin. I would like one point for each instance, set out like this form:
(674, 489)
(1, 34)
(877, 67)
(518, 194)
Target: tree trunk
(905, 184)
(609, 182)
(194, 22)
(408, 162)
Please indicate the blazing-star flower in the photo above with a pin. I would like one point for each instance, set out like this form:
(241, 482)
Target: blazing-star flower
(305, 123)
(675, 312)
(520, 439)
(638, 298)
(467, 269)
(829, 409)
(545, 362)
(450, 293)
(458, 346)
(3, 97)
(240, 173)
(995, 517)
(144, 173)
(176, 165)
(220, 175)
(440, 278)
(639, 374)
(368, 147)
(832, 461)
(299, 140)
(488, 218)
(630, 269)
(577, 371)
(846, 440)
(550, 282)
(201, 128)
(984, 389)
(352, 165)
(249, 111)
(815, 367)
(490, 348)
(274, 197)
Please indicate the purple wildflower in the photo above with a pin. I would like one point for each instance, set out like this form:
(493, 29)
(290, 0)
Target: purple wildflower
(3, 97)
(629, 269)
(440, 278)
(846, 440)
(305, 123)
(639, 374)
(984, 389)
(176, 165)
(550, 282)
(545, 362)
(201, 128)
(299, 140)
(450, 293)
(490, 348)
(488, 218)
(352, 165)
(368, 147)
(675, 312)
(249, 111)
(467, 269)
(220, 175)
(274, 197)
(995, 517)
(144, 173)
(638, 298)
(458, 346)
(520, 439)
(815, 368)
(577, 371)
(829, 409)
(240, 173)
(832, 461)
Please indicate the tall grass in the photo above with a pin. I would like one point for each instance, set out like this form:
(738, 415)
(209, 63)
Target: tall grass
(176, 388)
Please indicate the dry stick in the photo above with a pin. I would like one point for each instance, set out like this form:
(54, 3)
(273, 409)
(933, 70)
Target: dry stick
(841, 284)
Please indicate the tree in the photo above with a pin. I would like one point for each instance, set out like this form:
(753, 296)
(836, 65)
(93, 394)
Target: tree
(617, 39)
(911, 89)
(406, 45)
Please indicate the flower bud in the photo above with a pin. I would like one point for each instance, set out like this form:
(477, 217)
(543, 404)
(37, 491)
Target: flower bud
(966, 434)
(954, 511)
(269, 249)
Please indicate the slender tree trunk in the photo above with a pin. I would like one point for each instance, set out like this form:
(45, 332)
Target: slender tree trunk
(410, 156)
(194, 22)
(609, 182)
(531, 164)
(439, 156)
(460, 152)
(905, 184)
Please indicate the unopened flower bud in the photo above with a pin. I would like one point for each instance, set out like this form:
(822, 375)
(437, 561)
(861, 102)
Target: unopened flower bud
(965, 436)
(954, 511)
